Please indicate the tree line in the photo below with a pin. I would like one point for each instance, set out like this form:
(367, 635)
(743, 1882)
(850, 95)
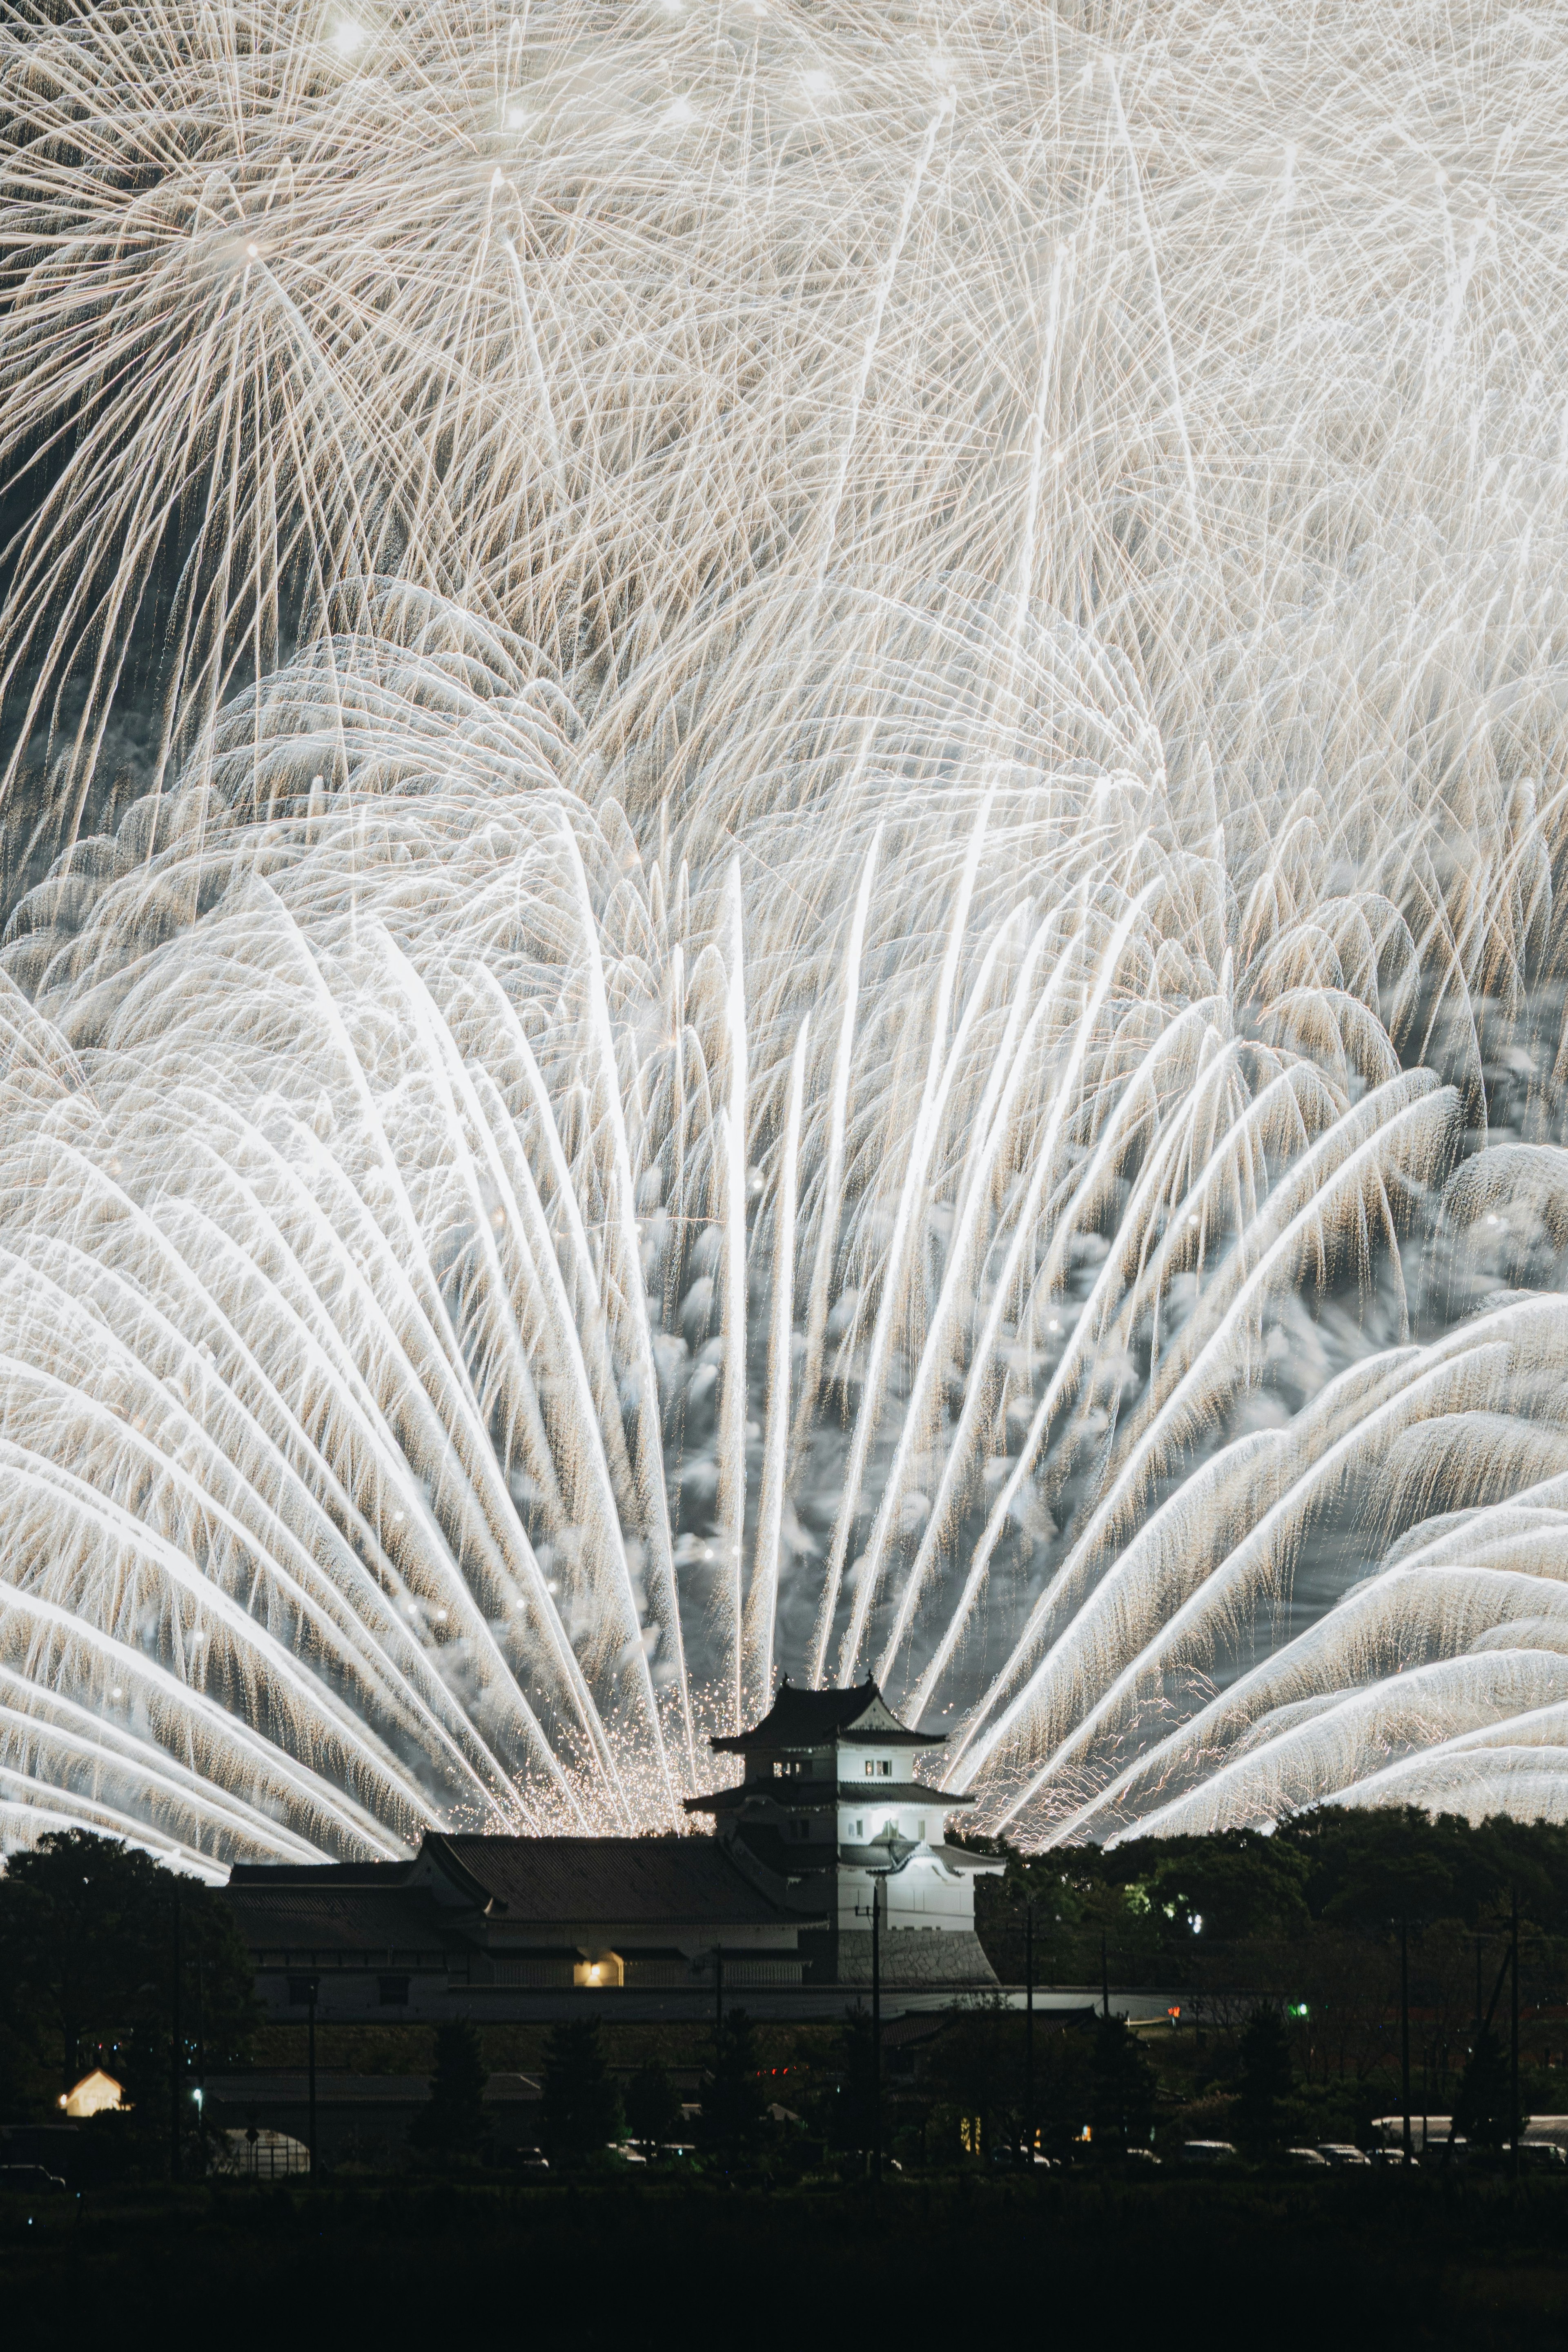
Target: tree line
(1281, 1953)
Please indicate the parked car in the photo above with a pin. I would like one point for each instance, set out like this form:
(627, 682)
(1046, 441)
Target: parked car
(1541, 2156)
(1340, 2152)
(30, 2180)
(1304, 2156)
(1394, 2158)
(1208, 2151)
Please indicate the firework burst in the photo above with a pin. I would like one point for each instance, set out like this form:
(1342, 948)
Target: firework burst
(836, 946)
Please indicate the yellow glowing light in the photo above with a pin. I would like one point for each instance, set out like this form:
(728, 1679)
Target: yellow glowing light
(92, 2095)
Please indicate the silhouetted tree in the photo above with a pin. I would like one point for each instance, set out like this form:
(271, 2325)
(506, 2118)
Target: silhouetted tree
(87, 1965)
(1121, 2089)
(1482, 2112)
(732, 2096)
(453, 2122)
(1264, 2080)
(975, 2066)
(580, 2112)
(1350, 1870)
(848, 2117)
(652, 2106)
(1063, 2096)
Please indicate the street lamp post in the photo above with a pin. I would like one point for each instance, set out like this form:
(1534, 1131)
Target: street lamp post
(177, 2055)
(311, 2061)
(876, 1877)
(877, 2029)
(302, 1991)
(1028, 2029)
(1513, 2032)
(1405, 2027)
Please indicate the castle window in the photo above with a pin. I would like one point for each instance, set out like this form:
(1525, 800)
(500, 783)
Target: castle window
(878, 1768)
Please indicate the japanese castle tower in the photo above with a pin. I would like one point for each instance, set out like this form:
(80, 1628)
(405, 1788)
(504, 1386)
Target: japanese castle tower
(829, 1806)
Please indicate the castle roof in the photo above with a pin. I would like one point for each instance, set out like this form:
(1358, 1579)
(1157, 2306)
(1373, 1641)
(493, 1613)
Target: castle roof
(811, 1718)
(637, 1882)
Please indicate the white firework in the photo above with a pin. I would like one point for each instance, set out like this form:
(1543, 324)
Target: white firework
(842, 1009)
(480, 1299)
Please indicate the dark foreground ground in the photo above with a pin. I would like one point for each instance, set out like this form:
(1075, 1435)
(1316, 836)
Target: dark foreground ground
(1353, 2260)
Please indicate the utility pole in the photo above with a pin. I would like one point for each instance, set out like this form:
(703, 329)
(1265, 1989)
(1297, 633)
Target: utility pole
(1029, 2030)
(1405, 2027)
(310, 2063)
(201, 2030)
(718, 2000)
(877, 2027)
(1513, 2033)
(876, 1877)
(176, 2054)
(1104, 1977)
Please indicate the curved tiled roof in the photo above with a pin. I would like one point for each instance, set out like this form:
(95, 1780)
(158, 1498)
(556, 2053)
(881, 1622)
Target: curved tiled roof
(803, 1718)
(327, 1916)
(630, 1881)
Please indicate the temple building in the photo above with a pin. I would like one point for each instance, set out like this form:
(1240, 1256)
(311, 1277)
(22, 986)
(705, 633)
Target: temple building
(828, 1806)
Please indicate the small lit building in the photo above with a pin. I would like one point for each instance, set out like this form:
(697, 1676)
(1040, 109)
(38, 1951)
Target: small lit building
(94, 2094)
(828, 1808)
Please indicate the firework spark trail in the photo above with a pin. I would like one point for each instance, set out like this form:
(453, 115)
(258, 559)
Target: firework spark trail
(604, 397)
(843, 948)
(429, 1037)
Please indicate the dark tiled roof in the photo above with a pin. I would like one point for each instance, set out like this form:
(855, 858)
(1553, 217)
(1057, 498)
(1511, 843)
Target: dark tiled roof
(628, 1882)
(902, 1792)
(781, 1855)
(802, 1719)
(273, 1874)
(803, 1796)
(909, 2033)
(315, 1911)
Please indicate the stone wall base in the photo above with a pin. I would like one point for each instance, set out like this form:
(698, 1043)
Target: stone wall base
(913, 1959)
